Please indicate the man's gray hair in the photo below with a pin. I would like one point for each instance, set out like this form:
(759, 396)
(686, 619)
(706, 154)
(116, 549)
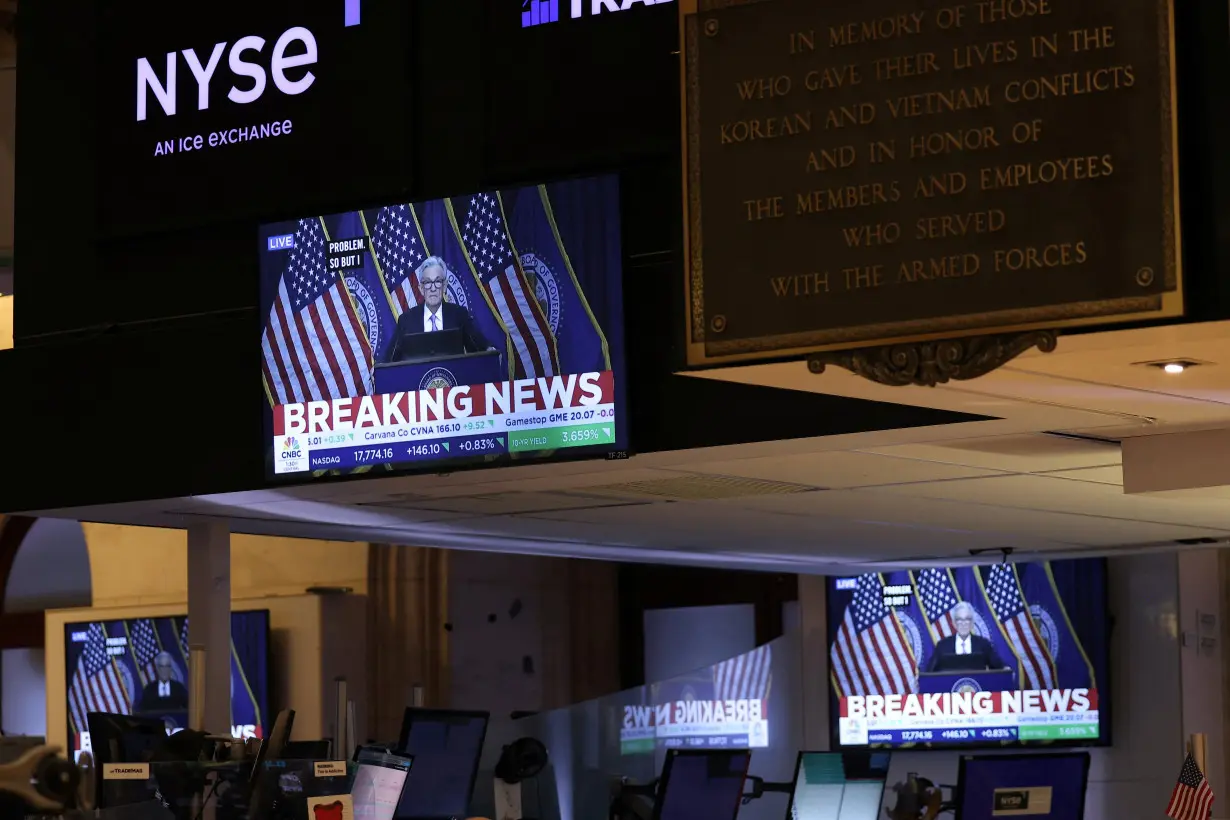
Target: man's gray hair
(163, 657)
(431, 262)
(963, 606)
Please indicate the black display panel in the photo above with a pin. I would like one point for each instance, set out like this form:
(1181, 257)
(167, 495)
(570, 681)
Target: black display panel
(990, 655)
(221, 109)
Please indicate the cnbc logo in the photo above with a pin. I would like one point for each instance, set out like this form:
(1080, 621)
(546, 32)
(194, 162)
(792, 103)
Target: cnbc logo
(538, 12)
(290, 448)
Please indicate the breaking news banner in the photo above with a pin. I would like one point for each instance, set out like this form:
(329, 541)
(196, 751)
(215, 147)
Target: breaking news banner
(723, 706)
(471, 329)
(998, 654)
(139, 667)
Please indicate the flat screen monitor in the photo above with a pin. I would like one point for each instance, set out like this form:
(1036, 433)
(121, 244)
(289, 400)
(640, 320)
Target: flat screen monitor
(123, 739)
(379, 783)
(838, 786)
(446, 746)
(990, 655)
(698, 785)
(464, 331)
(139, 667)
(1037, 786)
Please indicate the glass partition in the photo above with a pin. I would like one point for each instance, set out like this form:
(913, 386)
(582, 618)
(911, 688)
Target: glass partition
(750, 701)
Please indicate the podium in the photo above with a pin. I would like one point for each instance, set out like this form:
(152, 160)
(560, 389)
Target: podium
(979, 680)
(440, 371)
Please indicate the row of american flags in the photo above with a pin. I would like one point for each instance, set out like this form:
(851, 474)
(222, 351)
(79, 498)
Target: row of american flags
(317, 341)
(877, 649)
(102, 682)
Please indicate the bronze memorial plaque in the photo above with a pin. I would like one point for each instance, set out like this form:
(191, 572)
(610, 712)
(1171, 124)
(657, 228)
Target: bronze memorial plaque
(863, 172)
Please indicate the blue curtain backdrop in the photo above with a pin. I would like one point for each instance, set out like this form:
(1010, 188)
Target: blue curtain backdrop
(366, 290)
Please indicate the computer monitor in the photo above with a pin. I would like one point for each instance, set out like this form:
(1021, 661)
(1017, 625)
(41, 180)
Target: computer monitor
(123, 739)
(446, 746)
(379, 783)
(1040, 786)
(838, 786)
(701, 785)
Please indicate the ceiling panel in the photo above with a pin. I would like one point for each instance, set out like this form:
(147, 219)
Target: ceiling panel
(844, 469)
(1030, 453)
(1043, 493)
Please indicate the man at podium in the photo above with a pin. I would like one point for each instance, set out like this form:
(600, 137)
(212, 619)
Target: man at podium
(454, 329)
(964, 651)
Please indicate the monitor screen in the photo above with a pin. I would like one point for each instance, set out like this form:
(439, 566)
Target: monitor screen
(702, 785)
(469, 330)
(378, 785)
(723, 706)
(1038, 786)
(140, 667)
(974, 655)
(838, 786)
(446, 747)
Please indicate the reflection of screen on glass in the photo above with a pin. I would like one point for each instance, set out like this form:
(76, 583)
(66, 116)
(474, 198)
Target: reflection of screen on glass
(723, 706)
(833, 786)
(702, 785)
(446, 747)
(378, 785)
(975, 655)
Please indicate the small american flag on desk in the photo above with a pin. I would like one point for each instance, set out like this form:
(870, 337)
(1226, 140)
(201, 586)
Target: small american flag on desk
(1192, 799)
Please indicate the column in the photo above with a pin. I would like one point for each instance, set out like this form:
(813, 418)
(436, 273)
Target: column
(209, 621)
(813, 626)
(407, 640)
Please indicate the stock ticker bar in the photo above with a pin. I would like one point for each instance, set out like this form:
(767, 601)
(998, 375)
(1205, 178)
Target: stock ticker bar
(863, 172)
(451, 422)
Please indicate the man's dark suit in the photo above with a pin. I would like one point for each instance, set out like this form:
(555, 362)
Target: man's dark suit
(454, 316)
(982, 655)
(152, 703)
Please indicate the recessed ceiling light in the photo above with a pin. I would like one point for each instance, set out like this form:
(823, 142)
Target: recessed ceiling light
(1172, 366)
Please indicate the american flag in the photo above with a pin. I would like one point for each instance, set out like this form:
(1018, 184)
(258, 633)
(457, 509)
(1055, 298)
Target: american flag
(937, 596)
(314, 345)
(144, 644)
(96, 685)
(1192, 799)
(183, 638)
(746, 677)
(871, 655)
(399, 250)
(1008, 604)
(492, 255)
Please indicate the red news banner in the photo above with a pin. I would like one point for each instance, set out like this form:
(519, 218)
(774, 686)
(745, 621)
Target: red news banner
(451, 421)
(1048, 714)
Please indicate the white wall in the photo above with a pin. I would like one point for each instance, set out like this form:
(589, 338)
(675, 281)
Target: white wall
(1201, 653)
(51, 569)
(678, 641)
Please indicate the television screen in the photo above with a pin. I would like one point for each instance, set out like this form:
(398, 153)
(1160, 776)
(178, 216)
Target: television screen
(474, 329)
(725, 705)
(978, 655)
(140, 667)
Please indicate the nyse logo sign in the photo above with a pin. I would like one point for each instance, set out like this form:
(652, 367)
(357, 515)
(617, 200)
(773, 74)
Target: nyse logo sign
(298, 40)
(538, 12)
